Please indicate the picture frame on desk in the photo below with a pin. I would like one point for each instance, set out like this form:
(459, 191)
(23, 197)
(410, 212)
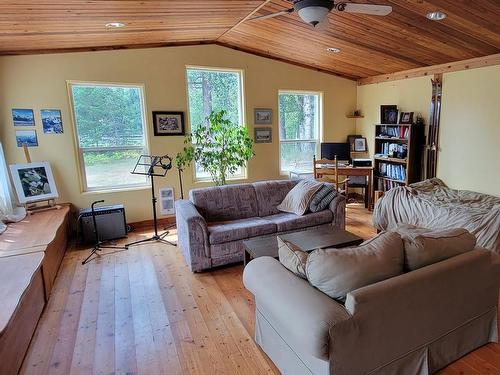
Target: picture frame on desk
(360, 145)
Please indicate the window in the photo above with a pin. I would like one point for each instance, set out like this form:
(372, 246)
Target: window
(110, 133)
(210, 90)
(299, 119)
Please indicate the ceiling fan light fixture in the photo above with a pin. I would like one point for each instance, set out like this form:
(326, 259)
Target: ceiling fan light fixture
(436, 16)
(313, 14)
(333, 50)
(114, 25)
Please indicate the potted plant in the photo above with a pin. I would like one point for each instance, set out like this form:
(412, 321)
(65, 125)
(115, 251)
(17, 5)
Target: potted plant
(219, 146)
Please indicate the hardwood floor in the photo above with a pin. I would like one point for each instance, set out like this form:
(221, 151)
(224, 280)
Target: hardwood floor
(142, 312)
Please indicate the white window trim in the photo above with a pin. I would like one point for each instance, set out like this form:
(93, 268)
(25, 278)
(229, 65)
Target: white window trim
(244, 170)
(320, 123)
(79, 151)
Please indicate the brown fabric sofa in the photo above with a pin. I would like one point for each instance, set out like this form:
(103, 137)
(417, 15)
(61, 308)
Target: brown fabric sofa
(214, 222)
(415, 323)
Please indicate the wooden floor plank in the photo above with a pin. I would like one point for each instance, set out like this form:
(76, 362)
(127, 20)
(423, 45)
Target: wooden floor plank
(142, 311)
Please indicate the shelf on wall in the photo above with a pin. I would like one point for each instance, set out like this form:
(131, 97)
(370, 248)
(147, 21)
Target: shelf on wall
(391, 179)
(352, 116)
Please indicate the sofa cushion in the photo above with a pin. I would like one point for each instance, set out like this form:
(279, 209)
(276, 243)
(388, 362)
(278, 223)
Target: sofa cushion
(297, 200)
(323, 197)
(271, 193)
(222, 203)
(337, 272)
(234, 230)
(292, 257)
(286, 222)
(426, 246)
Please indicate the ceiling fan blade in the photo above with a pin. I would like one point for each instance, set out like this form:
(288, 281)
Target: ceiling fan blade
(372, 9)
(283, 12)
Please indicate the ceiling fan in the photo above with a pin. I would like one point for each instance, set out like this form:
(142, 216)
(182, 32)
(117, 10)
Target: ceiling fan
(315, 11)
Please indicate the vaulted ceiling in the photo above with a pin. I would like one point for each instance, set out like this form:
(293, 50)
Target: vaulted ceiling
(369, 45)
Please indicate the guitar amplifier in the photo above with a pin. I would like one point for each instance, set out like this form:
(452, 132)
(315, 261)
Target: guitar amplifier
(110, 220)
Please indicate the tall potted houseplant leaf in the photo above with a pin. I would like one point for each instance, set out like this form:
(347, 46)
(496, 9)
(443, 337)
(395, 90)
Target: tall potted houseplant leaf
(218, 146)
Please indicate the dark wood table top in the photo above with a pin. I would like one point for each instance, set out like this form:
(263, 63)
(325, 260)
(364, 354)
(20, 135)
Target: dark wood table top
(307, 240)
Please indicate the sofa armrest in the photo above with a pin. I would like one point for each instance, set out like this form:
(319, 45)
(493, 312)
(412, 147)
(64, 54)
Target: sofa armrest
(337, 206)
(412, 310)
(192, 234)
(300, 313)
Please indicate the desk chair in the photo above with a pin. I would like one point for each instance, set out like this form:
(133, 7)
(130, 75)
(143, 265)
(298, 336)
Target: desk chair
(334, 179)
(360, 182)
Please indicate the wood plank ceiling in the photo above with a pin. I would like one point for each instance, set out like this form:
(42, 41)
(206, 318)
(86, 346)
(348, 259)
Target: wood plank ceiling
(369, 45)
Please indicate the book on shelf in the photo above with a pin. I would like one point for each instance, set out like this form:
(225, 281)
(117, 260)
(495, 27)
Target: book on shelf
(395, 172)
(395, 150)
(385, 185)
(395, 132)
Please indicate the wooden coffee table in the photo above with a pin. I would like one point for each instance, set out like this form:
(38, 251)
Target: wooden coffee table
(307, 240)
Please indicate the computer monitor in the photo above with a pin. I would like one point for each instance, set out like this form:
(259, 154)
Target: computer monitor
(342, 150)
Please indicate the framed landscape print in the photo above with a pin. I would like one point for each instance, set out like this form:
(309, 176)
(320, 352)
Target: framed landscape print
(263, 135)
(33, 182)
(51, 121)
(263, 116)
(26, 136)
(360, 144)
(23, 117)
(168, 123)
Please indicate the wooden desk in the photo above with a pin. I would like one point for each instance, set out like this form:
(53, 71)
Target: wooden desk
(351, 171)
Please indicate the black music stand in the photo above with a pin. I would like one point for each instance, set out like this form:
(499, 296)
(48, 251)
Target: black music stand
(153, 166)
(98, 246)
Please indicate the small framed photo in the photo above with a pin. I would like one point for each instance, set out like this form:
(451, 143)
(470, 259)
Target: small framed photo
(263, 116)
(406, 118)
(23, 117)
(33, 182)
(263, 135)
(360, 144)
(168, 123)
(51, 121)
(388, 114)
(26, 136)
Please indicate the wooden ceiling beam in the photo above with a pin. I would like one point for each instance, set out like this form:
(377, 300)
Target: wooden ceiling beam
(478, 62)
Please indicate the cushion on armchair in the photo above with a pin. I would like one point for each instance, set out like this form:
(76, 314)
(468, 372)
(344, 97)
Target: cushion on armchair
(426, 246)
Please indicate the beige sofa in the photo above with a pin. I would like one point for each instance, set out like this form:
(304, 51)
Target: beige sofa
(415, 323)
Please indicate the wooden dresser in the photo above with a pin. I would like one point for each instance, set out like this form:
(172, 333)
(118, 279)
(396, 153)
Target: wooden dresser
(31, 252)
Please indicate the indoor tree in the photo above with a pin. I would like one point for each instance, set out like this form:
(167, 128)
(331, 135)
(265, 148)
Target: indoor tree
(218, 146)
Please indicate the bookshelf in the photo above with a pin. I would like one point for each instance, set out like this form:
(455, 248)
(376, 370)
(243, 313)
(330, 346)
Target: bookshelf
(397, 155)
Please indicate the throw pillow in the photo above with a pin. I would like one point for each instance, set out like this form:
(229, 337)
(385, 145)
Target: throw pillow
(292, 257)
(323, 197)
(297, 200)
(337, 272)
(426, 246)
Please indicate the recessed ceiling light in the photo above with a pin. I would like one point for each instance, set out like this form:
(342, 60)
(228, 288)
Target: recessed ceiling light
(114, 25)
(333, 50)
(436, 16)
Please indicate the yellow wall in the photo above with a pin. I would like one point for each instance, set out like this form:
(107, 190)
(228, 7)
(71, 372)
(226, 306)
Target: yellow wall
(39, 81)
(470, 122)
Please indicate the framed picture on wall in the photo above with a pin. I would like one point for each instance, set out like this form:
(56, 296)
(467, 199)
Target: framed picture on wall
(33, 182)
(51, 121)
(168, 123)
(388, 114)
(23, 117)
(26, 136)
(263, 135)
(263, 116)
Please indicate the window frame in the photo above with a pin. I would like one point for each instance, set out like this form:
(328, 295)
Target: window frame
(319, 133)
(241, 73)
(79, 151)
